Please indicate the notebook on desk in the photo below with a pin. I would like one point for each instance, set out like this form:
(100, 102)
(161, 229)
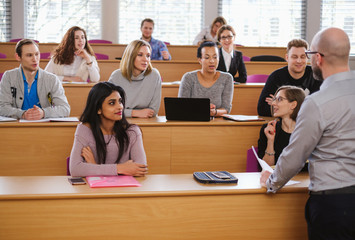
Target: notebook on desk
(187, 109)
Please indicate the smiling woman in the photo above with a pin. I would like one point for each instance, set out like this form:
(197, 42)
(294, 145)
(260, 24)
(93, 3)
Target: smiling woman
(275, 135)
(140, 80)
(74, 60)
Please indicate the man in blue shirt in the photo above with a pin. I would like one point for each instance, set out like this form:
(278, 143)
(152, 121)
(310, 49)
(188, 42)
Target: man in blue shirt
(159, 49)
(29, 92)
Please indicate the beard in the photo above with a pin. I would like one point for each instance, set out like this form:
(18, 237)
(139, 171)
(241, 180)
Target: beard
(317, 73)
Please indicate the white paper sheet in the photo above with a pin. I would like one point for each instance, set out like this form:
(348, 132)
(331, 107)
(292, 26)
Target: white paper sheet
(266, 167)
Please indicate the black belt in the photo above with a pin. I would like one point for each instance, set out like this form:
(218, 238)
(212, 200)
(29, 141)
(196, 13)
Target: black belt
(346, 190)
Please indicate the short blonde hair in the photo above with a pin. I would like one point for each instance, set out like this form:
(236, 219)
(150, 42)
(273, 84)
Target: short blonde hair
(129, 56)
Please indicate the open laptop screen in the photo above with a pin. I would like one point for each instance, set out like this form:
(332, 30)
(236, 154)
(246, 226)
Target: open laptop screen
(187, 109)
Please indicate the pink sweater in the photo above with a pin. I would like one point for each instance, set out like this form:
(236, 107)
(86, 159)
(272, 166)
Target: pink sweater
(84, 138)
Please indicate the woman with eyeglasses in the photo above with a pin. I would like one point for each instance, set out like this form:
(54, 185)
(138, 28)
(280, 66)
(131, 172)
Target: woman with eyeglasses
(275, 135)
(230, 60)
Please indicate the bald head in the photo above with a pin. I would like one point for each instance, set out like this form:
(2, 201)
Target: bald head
(334, 44)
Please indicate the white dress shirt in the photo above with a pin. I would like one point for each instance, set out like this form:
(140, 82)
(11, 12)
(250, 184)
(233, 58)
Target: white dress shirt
(227, 56)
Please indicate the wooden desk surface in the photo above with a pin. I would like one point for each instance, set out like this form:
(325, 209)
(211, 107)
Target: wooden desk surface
(169, 70)
(171, 146)
(165, 207)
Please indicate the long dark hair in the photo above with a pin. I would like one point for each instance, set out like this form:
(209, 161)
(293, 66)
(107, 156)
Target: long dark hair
(64, 53)
(98, 93)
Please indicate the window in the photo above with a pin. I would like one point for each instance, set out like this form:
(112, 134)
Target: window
(340, 14)
(261, 23)
(48, 20)
(5, 20)
(176, 21)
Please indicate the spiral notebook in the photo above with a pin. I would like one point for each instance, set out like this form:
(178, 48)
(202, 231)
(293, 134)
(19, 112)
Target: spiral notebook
(112, 181)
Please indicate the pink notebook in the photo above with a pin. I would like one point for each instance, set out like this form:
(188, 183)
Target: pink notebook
(112, 181)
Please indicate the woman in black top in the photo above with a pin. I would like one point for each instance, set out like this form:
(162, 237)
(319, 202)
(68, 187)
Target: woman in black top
(230, 60)
(275, 135)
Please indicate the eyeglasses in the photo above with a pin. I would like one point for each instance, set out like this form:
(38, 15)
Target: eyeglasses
(278, 99)
(309, 52)
(227, 37)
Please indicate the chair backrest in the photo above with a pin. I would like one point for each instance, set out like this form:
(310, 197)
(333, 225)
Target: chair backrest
(246, 58)
(252, 162)
(257, 78)
(101, 56)
(1, 76)
(45, 55)
(99, 41)
(3, 55)
(167, 43)
(267, 58)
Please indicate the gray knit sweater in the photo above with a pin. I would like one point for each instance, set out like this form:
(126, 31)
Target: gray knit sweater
(142, 92)
(220, 93)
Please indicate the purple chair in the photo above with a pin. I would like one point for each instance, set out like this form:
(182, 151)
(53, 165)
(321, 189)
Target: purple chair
(246, 58)
(99, 41)
(1, 76)
(252, 162)
(3, 55)
(257, 78)
(167, 43)
(45, 55)
(68, 170)
(101, 56)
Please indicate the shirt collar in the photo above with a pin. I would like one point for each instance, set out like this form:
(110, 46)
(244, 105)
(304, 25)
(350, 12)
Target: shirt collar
(337, 77)
(225, 52)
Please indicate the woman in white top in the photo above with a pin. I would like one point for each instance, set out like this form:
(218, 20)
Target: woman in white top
(74, 60)
(210, 33)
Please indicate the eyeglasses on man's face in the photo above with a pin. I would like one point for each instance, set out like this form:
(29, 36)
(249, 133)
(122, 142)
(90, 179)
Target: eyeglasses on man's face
(309, 52)
(278, 99)
(227, 37)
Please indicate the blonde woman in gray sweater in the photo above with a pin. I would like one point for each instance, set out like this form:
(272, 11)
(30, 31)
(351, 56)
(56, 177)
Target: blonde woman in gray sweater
(141, 82)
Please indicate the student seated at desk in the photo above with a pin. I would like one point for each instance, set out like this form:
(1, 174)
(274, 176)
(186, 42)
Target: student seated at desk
(105, 143)
(296, 73)
(275, 135)
(210, 33)
(74, 60)
(230, 60)
(141, 82)
(29, 92)
(208, 82)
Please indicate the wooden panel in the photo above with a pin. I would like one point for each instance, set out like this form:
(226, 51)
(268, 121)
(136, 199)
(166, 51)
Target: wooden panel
(42, 148)
(35, 149)
(157, 146)
(178, 52)
(50, 208)
(211, 148)
(169, 70)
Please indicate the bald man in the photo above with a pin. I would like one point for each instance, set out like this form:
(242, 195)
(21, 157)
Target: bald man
(325, 134)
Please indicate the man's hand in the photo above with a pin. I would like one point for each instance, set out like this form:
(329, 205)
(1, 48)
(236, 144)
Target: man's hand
(34, 113)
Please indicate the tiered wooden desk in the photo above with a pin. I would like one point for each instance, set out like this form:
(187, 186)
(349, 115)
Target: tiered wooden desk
(245, 97)
(171, 146)
(169, 70)
(164, 207)
(178, 52)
